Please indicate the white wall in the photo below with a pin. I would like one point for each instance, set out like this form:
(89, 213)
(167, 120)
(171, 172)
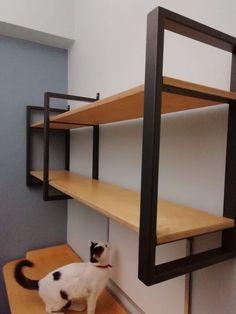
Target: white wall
(108, 57)
(35, 20)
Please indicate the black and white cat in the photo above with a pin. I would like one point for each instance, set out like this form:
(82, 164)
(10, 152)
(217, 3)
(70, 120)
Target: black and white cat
(60, 287)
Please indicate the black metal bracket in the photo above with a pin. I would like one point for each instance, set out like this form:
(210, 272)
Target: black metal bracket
(30, 180)
(47, 97)
(158, 21)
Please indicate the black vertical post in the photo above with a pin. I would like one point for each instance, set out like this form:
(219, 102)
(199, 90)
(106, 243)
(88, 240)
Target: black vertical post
(67, 148)
(28, 146)
(189, 279)
(95, 170)
(151, 142)
(229, 236)
(46, 147)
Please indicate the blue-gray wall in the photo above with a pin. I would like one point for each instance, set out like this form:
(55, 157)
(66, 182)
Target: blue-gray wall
(27, 70)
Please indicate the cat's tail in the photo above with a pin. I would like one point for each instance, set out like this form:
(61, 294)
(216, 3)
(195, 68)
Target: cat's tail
(20, 277)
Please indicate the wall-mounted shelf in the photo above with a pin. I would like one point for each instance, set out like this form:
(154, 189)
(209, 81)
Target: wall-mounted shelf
(130, 104)
(24, 301)
(156, 220)
(175, 222)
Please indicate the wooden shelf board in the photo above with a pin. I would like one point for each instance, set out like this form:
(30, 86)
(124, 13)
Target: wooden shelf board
(175, 222)
(24, 301)
(129, 105)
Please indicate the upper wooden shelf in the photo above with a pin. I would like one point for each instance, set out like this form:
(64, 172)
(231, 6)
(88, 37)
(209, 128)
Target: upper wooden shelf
(129, 104)
(24, 301)
(175, 222)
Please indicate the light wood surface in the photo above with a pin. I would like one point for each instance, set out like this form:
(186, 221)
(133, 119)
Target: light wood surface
(169, 81)
(129, 105)
(174, 221)
(24, 301)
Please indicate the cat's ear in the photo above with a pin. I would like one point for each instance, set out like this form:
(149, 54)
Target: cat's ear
(91, 243)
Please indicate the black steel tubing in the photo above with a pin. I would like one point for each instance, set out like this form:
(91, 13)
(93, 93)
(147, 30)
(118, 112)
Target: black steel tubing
(189, 28)
(95, 171)
(67, 150)
(195, 94)
(151, 143)
(28, 146)
(30, 181)
(229, 236)
(189, 264)
(71, 123)
(46, 148)
(70, 97)
(95, 167)
(158, 20)
(47, 97)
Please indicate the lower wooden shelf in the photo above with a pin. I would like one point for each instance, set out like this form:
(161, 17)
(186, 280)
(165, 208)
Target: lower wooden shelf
(175, 222)
(24, 301)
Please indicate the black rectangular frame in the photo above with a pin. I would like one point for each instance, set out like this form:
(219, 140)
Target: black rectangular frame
(47, 97)
(30, 180)
(158, 21)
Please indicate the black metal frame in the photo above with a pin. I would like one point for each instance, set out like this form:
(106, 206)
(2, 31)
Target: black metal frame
(30, 180)
(46, 134)
(189, 280)
(158, 21)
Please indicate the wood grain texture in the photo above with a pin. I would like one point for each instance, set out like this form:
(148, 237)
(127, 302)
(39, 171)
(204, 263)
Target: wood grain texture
(174, 221)
(24, 301)
(130, 104)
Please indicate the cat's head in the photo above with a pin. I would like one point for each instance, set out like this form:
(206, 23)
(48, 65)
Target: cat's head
(100, 252)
